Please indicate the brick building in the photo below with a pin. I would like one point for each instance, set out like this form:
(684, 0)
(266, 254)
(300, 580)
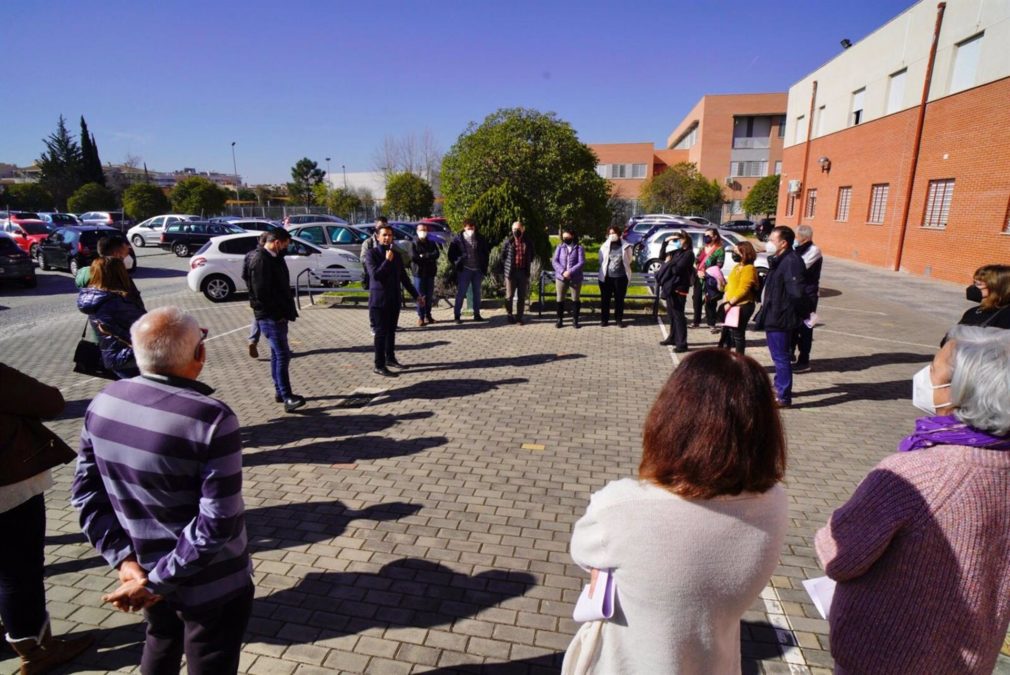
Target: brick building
(887, 178)
(628, 165)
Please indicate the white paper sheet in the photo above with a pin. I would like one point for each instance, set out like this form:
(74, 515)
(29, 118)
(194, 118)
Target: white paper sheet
(821, 590)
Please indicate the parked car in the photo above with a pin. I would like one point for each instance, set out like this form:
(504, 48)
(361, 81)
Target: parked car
(738, 225)
(698, 220)
(54, 219)
(639, 226)
(149, 231)
(184, 238)
(331, 235)
(15, 263)
(649, 259)
(254, 224)
(440, 237)
(27, 234)
(216, 269)
(304, 218)
(75, 246)
(402, 241)
(114, 219)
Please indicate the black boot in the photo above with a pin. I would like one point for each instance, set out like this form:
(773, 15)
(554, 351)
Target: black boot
(575, 314)
(561, 315)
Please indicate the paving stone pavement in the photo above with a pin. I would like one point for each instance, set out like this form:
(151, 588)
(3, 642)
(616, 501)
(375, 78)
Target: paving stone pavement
(421, 524)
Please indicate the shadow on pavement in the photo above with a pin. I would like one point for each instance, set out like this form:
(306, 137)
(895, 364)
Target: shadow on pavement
(548, 664)
(344, 451)
(759, 640)
(847, 364)
(368, 349)
(498, 362)
(894, 390)
(74, 409)
(441, 389)
(292, 428)
(406, 592)
(73, 565)
(274, 527)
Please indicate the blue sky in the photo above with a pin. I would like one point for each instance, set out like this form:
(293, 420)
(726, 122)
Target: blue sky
(175, 82)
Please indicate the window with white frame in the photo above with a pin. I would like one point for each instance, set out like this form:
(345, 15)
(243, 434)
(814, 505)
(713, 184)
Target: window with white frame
(962, 76)
(844, 200)
(801, 129)
(811, 206)
(638, 170)
(778, 167)
(878, 203)
(601, 170)
(819, 122)
(856, 116)
(896, 91)
(938, 203)
(686, 141)
(782, 126)
(748, 169)
(736, 206)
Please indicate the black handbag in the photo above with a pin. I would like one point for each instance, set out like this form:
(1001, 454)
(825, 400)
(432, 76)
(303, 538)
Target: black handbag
(88, 358)
(759, 319)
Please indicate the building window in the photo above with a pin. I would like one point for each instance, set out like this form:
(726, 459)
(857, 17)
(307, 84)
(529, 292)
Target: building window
(962, 76)
(778, 167)
(782, 126)
(790, 204)
(896, 91)
(748, 169)
(819, 122)
(736, 206)
(811, 205)
(601, 170)
(801, 129)
(844, 200)
(689, 138)
(938, 203)
(857, 107)
(1006, 220)
(878, 204)
(638, 170)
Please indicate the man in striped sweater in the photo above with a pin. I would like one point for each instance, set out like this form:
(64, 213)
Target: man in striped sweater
(159, 490)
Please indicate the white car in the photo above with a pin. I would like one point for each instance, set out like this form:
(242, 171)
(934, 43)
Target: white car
(649, 258)
(149, 231)
(216, 269)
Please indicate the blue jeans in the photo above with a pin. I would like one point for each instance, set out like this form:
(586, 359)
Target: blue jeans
(780, 348)
(276, 333)
(468, 278)
(425, 286)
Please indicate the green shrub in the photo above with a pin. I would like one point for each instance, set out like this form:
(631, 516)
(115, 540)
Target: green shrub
(91, 197)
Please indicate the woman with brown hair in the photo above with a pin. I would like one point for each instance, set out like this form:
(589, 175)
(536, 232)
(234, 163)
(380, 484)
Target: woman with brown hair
(693, 541)
(112, 308)
(741, 291)
(991, 290)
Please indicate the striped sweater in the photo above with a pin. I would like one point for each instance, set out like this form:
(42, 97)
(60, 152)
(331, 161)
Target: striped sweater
(159, 475)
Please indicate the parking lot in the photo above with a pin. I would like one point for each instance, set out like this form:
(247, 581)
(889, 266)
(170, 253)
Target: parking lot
(423, 525)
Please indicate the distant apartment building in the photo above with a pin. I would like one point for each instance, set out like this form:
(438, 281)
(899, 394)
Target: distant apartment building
(125, 173)
(734, 139)
(896, 152)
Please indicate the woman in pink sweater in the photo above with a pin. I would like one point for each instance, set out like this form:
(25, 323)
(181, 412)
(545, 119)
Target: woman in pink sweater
(921, 550)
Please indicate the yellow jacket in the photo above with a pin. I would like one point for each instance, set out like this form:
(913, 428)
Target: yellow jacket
(741, 287)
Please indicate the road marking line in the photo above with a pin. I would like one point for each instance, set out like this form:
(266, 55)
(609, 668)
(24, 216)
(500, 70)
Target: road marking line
(876, 339)
(220, 335)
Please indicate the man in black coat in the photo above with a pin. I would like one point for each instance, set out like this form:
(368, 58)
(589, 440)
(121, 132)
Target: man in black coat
(517, 256)
(274, 308)
(784, 304)
(674, 280)
(469, 253)
(385, 276)
(425, 267)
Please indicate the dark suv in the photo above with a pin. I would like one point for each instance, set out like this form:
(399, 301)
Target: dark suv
(185, 238)
(71, 248)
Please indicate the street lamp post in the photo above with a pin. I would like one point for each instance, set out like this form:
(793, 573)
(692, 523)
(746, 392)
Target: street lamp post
(234, 167)
(329, 179)
(344, 169)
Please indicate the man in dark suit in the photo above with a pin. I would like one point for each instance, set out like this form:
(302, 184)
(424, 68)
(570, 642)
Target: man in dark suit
(385, 276)
(469, 253)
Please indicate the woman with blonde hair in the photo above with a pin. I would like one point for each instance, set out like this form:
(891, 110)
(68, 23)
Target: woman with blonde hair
(112, 307)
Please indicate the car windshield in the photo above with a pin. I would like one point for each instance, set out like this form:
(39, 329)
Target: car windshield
(63, 219)
(34, 228)
(232, 229)
(91, 237)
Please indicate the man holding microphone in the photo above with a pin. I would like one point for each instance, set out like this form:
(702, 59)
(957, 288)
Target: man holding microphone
(385, 276)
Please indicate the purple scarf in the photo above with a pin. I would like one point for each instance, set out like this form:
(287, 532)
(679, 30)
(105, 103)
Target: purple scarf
(948, 430)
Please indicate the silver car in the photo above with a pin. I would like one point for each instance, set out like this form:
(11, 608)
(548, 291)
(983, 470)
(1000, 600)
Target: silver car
(649, 259)
(148, 233)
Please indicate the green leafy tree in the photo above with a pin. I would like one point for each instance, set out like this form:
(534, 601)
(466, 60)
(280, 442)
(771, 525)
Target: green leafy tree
(763, 198)
(60, 165)
(344, 203)
(305, 174)
(409, 195)
(91, 165)
(320, 193)
(681, 189)
(199, 195)
(540, 156)
(144, 200)
(246, 194)
(499, 207)
(91, 197)
(27, 196)
(264, 193)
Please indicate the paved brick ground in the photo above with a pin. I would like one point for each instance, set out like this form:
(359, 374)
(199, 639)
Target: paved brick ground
(422, 524)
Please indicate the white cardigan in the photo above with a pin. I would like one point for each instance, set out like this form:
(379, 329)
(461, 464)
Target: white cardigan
(605, 258)
(685, 570)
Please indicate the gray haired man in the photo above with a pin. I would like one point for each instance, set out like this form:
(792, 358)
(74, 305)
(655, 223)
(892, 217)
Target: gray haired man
(812, 259)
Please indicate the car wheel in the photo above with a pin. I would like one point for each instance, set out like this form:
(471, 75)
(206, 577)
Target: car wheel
(74, 267)
(217, 288)
(138, 241)
(652, 266)
(181, 250)
(34, 251)
(42, 261)
(30, 283)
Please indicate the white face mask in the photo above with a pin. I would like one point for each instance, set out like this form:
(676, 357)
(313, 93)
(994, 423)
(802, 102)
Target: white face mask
(922, 391)
(771, 248)
(421, 234)
(613, 238)
(468, 234)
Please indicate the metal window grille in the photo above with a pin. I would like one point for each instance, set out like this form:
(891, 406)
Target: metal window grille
(791, 204)
(811, 205)
(938, 203)
(844, 200)
(878, 203)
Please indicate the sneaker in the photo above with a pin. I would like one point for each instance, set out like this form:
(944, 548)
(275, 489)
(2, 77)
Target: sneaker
(253, 350)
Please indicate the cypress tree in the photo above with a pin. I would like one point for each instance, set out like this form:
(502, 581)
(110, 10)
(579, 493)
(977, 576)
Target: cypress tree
(91, 165)
(60, 165)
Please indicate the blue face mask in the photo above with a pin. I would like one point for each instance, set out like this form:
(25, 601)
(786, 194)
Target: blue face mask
(677, 243)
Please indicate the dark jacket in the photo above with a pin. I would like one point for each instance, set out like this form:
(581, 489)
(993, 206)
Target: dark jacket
(508, 255)
(270, 287)
(425, 258)
(812, 261)
(245, 268)
(457, 252)
(784, 302)
(676, 275)
(115, 314)
(385, 278)
(28, 448)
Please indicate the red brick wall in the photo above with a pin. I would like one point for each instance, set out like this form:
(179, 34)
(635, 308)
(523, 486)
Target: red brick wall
(971, 129)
